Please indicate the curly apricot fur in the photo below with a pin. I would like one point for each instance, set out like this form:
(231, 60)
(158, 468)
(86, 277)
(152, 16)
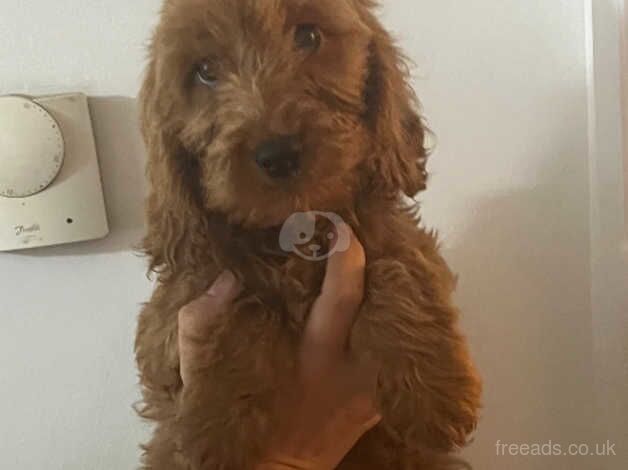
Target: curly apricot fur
(211, 209)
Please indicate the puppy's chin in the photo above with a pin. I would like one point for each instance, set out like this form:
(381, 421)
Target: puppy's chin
(259, 217)
(263, 207)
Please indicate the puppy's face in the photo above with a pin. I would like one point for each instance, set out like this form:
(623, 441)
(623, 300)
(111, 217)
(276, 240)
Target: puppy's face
(270, 107)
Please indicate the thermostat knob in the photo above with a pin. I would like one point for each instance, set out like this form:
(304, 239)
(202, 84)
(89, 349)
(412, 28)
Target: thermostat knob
(31, 147)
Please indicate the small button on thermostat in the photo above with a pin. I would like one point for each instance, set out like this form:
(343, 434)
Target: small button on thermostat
(31, 147)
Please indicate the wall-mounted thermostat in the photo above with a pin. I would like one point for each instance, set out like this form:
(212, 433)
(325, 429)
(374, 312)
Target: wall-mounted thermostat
(50, 185)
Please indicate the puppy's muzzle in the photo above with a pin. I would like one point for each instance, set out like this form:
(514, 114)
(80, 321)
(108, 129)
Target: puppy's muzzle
(279, 157)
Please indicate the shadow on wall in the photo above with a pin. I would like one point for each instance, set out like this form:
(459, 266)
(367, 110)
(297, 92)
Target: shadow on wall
(122, 158)
(524, 293)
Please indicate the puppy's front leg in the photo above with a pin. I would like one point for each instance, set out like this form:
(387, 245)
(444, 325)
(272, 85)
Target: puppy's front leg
(157, 358)
(223, 414)
(429, 389)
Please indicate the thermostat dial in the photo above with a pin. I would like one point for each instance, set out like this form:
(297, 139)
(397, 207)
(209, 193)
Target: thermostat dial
(31, 147)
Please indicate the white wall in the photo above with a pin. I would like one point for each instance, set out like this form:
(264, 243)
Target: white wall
(504, 88)
(67, 315)
(609, 273)
(504, 84)
(624, 73)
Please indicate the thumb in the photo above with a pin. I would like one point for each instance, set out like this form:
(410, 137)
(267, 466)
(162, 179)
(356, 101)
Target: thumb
(334, 312)
(196, 318)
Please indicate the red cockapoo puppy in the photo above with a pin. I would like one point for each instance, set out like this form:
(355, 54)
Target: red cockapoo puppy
(255, 112)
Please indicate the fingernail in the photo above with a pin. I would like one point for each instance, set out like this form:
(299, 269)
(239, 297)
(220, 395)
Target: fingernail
(223, 286)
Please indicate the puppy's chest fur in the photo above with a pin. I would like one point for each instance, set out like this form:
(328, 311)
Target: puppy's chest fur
(284, 286)
(428, 390)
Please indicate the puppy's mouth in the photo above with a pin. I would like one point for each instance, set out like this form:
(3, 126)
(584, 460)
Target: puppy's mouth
(264, 178)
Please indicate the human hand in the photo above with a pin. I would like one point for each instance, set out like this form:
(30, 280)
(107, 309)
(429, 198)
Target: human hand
(330, 404)
(196, 320)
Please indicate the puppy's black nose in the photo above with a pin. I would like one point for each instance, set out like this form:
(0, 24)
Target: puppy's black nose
(278, 157)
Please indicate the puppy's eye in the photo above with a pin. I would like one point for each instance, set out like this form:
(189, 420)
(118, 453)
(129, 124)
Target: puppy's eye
(307, 37)
(206, 74)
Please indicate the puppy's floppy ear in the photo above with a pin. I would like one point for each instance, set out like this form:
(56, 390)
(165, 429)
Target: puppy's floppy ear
(173, 214)
(392, 112)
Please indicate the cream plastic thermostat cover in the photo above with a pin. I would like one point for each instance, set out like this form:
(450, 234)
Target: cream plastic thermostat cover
(50, 184)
